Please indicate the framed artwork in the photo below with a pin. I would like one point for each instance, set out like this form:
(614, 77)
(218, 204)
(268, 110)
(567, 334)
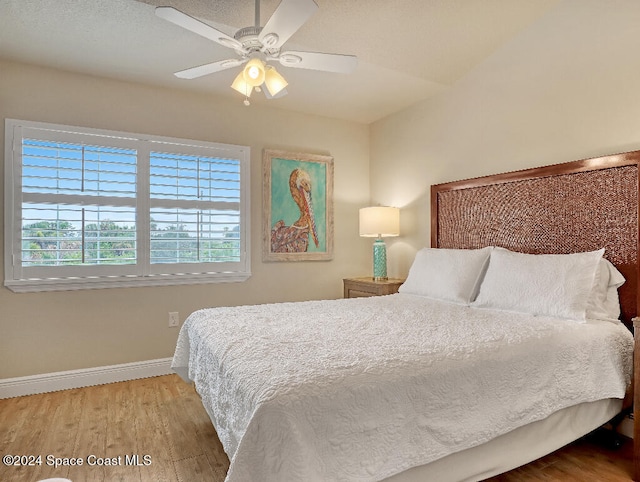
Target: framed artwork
(298, 206)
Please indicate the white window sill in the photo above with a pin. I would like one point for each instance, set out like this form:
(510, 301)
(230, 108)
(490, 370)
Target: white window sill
(73, 284)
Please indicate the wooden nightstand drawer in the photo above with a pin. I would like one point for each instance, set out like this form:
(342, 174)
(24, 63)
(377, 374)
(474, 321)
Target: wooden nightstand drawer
(358, 287)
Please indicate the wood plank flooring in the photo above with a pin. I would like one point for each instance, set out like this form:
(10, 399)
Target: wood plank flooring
(161, 421)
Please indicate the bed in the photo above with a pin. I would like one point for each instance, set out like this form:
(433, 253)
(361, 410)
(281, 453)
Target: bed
(372, 389)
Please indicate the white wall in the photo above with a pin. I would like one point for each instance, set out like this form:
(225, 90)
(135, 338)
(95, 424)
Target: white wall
(567, 88)
(48, 332)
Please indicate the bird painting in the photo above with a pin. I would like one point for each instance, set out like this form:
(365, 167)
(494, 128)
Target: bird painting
(295, 238)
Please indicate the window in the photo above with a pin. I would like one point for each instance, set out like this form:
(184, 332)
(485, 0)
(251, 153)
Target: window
(89, 208)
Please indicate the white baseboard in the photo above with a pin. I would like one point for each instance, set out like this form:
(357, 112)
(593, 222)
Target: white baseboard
(52, 382)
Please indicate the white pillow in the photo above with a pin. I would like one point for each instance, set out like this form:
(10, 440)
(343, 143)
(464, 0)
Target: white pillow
(447, 274)
(556, 285)
(604, 302)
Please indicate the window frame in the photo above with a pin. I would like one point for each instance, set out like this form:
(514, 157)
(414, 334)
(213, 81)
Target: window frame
(144, 273)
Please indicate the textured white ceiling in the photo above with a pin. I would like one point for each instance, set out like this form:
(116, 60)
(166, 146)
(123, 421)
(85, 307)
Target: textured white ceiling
(408, 50)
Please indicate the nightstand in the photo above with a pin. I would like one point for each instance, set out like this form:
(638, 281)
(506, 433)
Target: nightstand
(356, 287)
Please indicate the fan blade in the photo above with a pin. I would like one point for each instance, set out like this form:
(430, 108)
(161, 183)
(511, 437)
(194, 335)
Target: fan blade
(207, 69)
(342, 64)
(196, 26)
(285, 21)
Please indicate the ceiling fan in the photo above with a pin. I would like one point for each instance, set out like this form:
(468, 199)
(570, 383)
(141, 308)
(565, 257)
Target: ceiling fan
(256, 46)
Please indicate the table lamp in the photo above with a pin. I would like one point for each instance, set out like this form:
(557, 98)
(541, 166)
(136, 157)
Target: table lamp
(379, 222)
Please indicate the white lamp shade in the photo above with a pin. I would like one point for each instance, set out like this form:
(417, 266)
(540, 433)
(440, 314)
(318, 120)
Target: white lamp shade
(380, 221)
(274, 81)
(241, 86)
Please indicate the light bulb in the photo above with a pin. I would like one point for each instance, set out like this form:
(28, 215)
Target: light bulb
(253, 73)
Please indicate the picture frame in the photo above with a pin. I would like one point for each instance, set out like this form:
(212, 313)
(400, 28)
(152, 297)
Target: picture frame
(297, 206)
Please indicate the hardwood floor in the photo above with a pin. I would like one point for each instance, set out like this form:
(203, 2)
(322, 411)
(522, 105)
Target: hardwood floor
(586, 460)
(159, 417)
(161, 421)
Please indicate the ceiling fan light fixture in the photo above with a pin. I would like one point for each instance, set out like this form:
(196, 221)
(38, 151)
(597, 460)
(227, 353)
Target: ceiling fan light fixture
(274, 81)
(254, 72)
(240, 85)
(256, 45)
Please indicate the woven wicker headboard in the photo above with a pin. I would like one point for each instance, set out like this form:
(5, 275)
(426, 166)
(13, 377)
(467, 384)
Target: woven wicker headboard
(565, 208)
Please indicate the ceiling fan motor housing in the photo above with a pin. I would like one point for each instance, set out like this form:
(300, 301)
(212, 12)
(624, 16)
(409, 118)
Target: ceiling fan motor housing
(248, 37)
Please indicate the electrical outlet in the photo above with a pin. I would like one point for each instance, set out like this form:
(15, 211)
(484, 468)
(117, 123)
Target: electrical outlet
(174, 319)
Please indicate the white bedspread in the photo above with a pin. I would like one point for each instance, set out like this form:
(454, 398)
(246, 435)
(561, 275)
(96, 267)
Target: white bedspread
(361, 389)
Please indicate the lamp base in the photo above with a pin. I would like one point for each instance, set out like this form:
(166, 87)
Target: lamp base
(379, 260)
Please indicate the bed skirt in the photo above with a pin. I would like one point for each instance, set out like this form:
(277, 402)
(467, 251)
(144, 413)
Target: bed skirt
(518, 447)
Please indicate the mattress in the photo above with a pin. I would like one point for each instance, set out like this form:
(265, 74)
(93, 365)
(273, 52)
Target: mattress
(364, 389)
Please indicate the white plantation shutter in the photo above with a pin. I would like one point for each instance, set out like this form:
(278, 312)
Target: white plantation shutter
(88, 208)
(78, 209)
(194, 207)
